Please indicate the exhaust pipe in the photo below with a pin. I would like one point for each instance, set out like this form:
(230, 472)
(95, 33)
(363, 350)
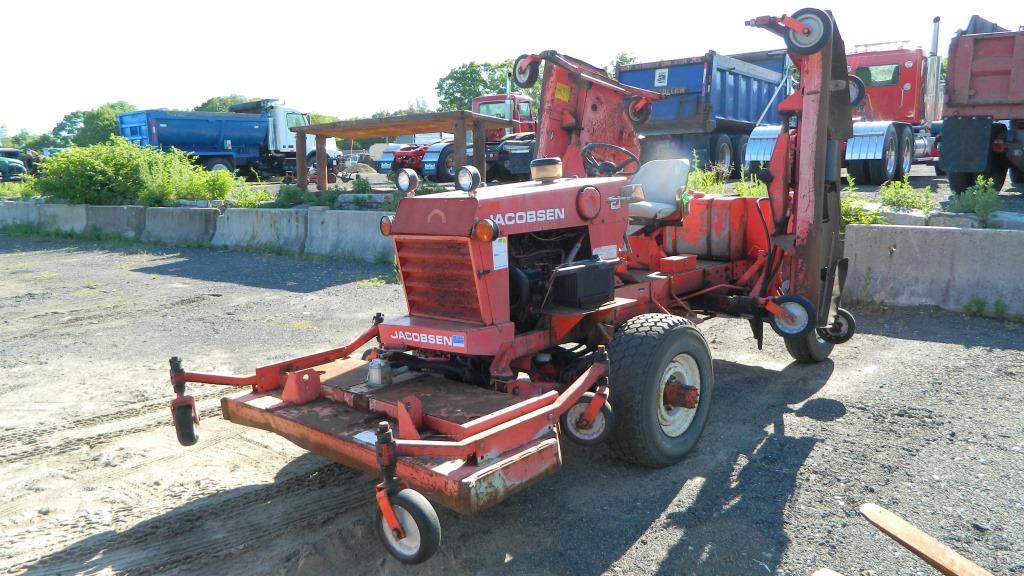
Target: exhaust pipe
(932, 96)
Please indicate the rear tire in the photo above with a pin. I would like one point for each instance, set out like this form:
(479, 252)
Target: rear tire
(215, 164)
(646, 352)
(885, 168)
(809, 348)
(859, 170)
(721, 151)
(739, 146)
(906, 153)
(445, 166)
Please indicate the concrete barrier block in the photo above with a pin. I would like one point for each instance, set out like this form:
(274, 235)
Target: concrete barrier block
(902, 217)
(1008, 220)
(954, 220)
(13, 212)
(127, 221)
(63, 217)
(353, 234)
(180, 225)
(274, 228)
(925, 265)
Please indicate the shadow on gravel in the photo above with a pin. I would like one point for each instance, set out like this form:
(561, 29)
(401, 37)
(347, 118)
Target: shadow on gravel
(932, 324)
(204, 532)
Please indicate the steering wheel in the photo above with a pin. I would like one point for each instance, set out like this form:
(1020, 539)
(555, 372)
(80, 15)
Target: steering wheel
(595, 167)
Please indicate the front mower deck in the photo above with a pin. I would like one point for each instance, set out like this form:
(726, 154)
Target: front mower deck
(345, 434)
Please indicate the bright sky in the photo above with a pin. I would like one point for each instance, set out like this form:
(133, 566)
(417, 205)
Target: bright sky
(353, 58)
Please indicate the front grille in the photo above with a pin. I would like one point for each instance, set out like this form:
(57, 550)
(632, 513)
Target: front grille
(439, 279)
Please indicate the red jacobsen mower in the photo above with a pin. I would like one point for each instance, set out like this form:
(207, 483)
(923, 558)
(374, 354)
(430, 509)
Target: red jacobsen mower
(535, 308)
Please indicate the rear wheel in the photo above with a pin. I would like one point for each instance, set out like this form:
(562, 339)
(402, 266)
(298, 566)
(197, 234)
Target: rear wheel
(906, 152)
(884, 169)
(858, 169)
(420, 524)
(739, 146)
(215, 164)
(648, 353)
(446, 166)
(721, 151)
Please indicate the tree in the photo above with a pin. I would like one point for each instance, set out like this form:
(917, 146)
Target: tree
(66, 129)
(220, 103)
(418, 107)
(620, 58)
(457, 89)
(100, 124)
(318, 118)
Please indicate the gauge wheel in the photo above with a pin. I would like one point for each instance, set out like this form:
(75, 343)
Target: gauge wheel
(420, 524)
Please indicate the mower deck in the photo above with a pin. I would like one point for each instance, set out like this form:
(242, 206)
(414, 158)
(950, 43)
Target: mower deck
(346, 435)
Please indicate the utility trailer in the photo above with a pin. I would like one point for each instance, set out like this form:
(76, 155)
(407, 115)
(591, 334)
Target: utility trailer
(711, 103)
(983, 126)
(534, 313)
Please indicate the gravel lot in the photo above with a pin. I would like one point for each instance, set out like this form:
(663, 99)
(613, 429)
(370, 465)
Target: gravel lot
(919, 413)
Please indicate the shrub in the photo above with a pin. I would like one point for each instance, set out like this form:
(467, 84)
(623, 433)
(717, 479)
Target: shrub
(289, 195)
(976, 306)
(361, 186)
(981, 198)
(249, 197)
(118, 172)
(750, 185)
(854, 212)
(900, 194)
(711, 181)
(22, 190)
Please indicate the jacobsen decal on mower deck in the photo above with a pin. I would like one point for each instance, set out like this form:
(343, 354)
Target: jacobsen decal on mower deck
(529, 216)
(422, 338)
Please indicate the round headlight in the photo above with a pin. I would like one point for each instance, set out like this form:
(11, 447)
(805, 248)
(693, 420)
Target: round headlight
(588, 203)
(485, 230)
(385, 225)
(407, 180)
(468, 179)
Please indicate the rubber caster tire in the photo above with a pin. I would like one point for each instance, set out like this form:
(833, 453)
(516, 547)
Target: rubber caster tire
(646, 353)
(185, 426)
(419, 521)
(843, 327)
(801, 308)
(809, 348)
(820, 35)
(528, 78)
(599, 429)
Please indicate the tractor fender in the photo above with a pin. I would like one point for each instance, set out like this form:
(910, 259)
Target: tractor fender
(761, 145)
(868, 140)
(433, 154)
(387, 158)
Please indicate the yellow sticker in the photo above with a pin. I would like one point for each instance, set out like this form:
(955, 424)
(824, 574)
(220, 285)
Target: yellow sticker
(562, 92)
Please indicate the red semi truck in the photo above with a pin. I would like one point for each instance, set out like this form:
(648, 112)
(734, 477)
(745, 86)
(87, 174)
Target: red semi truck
(983, 126)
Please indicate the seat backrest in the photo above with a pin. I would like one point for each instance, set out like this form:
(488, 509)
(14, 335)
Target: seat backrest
(662, 179)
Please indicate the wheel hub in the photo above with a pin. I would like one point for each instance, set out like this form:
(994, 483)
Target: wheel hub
(679, 395)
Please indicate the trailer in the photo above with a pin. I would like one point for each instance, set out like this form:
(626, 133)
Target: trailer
(712, 103)
(983, 126)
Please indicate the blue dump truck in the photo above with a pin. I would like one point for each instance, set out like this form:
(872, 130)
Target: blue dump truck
(254, 138)
(712, 103)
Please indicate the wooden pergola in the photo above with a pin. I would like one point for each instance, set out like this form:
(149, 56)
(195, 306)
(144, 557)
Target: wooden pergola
(458, 123)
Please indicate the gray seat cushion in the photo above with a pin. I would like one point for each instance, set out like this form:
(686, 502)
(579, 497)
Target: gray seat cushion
(662, 180)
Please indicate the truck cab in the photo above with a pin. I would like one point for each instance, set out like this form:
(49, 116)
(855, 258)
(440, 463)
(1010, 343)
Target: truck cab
(280, 138)
(894, 82)
(517, 107)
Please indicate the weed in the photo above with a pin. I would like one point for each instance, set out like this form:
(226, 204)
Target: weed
(976, 306)
(249, 197)
(851, 184)
(981, 198)
(854, 212)
(361, 186)
(376, 281)
(710, 181)
(289, 195)
(428, 187)
(750, 185)
(1000, 309)
(21, 190)
(900, 194)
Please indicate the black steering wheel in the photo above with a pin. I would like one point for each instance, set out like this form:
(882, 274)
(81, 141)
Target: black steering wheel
(595, 167)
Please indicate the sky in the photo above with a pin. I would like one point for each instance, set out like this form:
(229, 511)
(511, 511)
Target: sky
(354, 58)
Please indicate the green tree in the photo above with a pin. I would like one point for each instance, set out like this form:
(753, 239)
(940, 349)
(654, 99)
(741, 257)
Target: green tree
(66, 129)
(620, 58)
(457, 89)
(418, 107)
(318, 118)
(100, 124)
(220, 103)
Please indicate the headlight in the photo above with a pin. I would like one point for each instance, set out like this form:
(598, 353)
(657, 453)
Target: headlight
(485, 230)
(385, 225)
(407, 181)
(468, 179)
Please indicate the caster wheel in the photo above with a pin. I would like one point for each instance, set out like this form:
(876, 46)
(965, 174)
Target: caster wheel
(419, 521)
(597, 431)
(842, 328)
(803, 316)
(185, 425)
(527, 78)
(819, 32)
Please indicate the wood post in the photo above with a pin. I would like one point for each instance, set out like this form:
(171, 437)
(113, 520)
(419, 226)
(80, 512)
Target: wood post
(460, 143)
(301, 169)
(321, 163)
(480, 149)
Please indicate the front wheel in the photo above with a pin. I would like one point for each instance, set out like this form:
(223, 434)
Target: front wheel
(420, 524)
(650, 354)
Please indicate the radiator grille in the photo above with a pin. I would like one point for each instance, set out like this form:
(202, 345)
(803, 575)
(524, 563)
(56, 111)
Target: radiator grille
(439, 279)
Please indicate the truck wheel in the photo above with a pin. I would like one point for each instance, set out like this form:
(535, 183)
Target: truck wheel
(906, 152)
(648, 352)
(884, 169)
(810, 348)
(215, 164)
(721, 151)
(858, 169)
(820, 25)
(446, 166)
(960, 181)
(1016, 176)
(739, 145)
(528, 77)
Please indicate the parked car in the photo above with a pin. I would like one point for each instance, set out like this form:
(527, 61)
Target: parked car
(11, 169)
(28, 161)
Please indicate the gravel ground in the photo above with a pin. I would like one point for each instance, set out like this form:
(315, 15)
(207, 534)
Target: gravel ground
(918, 413)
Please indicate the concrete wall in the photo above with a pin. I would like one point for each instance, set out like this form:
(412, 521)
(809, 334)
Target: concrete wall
(262, 228)
(62, 217)
(946, 267)
(180, 225)
(26, 213)
(128, 221)
(350, 234)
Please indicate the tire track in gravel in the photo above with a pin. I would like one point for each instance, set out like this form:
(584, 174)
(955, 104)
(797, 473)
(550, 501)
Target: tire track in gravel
(37, 448)
(200, 533)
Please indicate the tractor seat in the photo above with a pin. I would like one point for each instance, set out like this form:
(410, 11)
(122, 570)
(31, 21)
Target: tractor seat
(661, 181)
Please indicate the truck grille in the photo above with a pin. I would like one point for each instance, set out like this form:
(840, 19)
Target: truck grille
(439, 279)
